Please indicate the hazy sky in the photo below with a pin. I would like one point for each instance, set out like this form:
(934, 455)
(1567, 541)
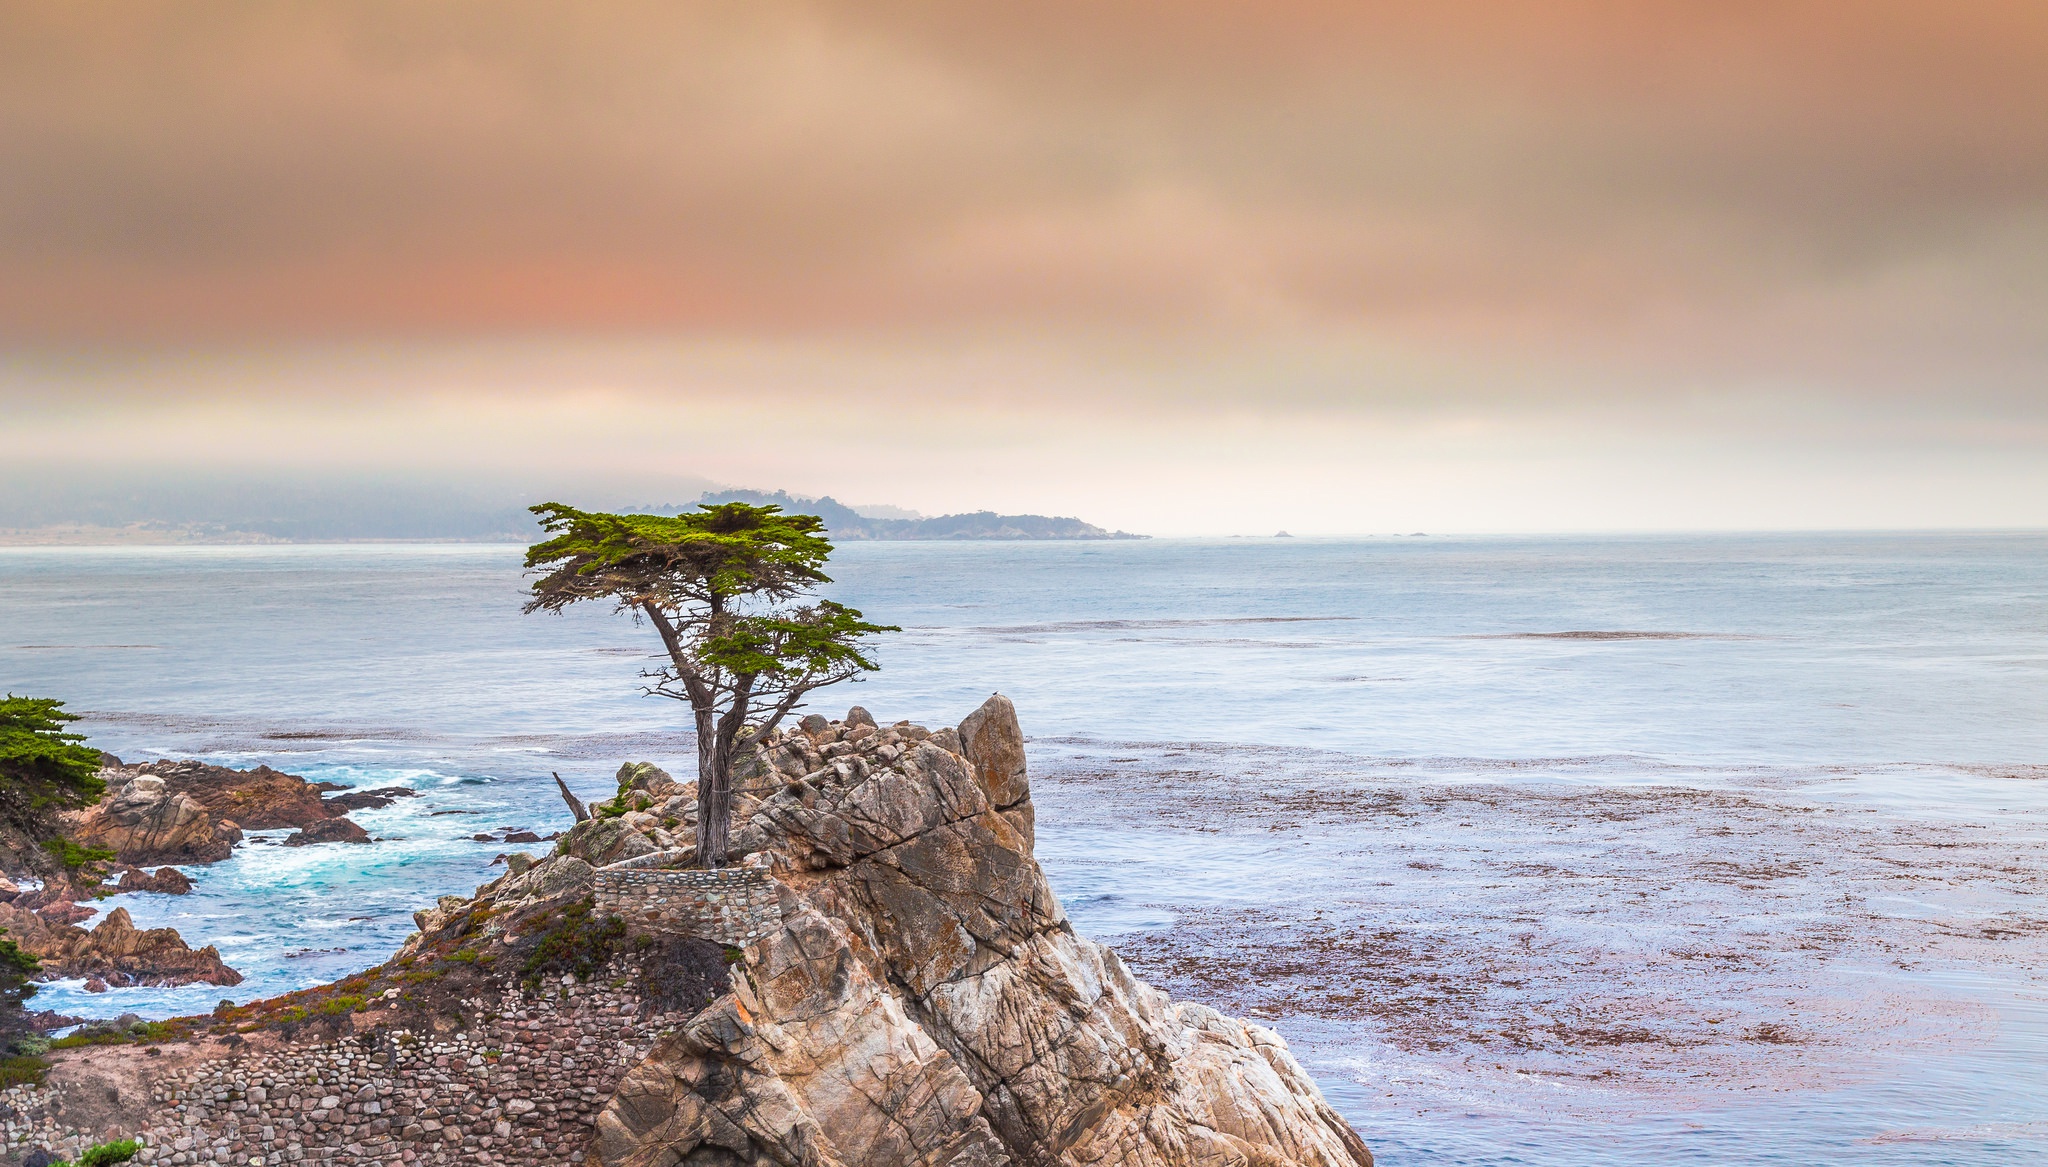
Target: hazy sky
(1175, 267)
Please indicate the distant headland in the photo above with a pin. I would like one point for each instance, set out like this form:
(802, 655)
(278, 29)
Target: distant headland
(847, 524)
(400, 516)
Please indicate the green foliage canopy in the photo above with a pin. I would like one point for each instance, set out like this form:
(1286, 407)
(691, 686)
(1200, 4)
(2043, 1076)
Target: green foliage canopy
(42, 766)
(710, 582)
(713, 556)
(16, 986)
(722, 585)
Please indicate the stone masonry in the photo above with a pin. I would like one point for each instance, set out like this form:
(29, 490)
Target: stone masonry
(734, 905)
(521, 1087)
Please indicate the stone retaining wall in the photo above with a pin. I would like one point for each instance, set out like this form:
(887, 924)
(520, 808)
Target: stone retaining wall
(733, 905)
(521, 1087)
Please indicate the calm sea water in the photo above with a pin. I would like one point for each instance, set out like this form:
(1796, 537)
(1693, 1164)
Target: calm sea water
(1749, 869)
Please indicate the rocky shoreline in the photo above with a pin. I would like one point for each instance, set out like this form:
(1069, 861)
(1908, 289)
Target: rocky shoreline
(167, 815)
(886, 979)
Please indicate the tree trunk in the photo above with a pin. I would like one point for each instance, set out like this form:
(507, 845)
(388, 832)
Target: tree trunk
(714, 775)
(714, 804)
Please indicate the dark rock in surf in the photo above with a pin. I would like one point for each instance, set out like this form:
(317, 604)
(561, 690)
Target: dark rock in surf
(376, 799)
(164, 881)
(328, 831)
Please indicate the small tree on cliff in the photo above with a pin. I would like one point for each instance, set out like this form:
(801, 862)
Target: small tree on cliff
(43, 769)
(728, 588)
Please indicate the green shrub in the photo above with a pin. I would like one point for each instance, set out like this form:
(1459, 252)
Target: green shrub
(579, 944)
(16, 967)
(74, 856)
(105, 1155)
(96, 1037)
(23, 1070)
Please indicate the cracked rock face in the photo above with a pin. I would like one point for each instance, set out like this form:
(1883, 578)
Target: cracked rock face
(116, 952)
(145, 823)
(926, 1002)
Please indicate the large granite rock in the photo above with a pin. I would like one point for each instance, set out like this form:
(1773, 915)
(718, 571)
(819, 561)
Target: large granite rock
(924, 1000)
(190, 812)
(116, 952)
(144, 823)
(262, 799)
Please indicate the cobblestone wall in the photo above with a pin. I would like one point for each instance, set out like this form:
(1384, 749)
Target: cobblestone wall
(734, 905)
(520, 1088)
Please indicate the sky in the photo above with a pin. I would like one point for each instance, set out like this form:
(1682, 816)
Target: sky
(1199, 267)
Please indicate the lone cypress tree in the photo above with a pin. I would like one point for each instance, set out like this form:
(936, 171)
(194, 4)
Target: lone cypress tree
(728, 588)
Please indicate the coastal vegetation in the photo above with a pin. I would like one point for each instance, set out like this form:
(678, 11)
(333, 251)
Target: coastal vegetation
(104, 1154)
(729, 589)
(44, 770)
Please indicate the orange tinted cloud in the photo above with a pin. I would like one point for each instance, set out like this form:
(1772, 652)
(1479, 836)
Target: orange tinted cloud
(1126, 254)
(1667, 172)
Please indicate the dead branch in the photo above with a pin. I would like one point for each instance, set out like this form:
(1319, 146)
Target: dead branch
(576, 807)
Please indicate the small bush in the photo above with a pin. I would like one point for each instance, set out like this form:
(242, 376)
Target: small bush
(579, 944)
(73, 856)
(23, 1070)
(97, 1037)
(105, 1155)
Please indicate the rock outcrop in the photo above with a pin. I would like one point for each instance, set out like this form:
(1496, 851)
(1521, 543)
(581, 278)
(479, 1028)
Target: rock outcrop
(164, 881)
(925, 1000)
(349, 800)
(190, 812)
(145, 823)
(328, 831)
(262, 799)
(116, 952)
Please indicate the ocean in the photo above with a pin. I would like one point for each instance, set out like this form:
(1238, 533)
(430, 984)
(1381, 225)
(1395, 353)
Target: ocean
(1592, 850)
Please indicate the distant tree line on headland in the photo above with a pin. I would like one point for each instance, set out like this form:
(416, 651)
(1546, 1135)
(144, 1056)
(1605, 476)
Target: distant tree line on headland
(846, 524)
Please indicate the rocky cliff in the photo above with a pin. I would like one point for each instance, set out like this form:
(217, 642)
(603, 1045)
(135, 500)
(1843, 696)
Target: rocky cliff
(926, 1002)
(899, 985)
